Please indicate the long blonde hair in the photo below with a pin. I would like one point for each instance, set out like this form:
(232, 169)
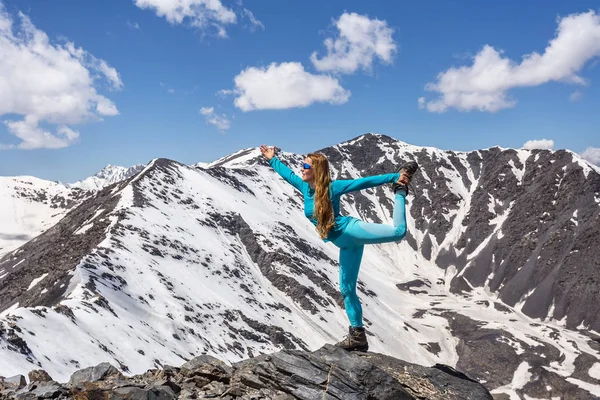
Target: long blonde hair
(323, 206)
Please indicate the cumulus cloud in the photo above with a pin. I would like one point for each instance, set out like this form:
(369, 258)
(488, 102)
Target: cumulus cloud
(285, 85)
(199, 13)
(592, 154)
(360, 40)
(484, 85)
(48, 84)
(34, 137)
(220, 121)
(547, 144)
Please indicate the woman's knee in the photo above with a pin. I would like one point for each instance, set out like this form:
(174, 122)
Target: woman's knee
(400, 232)
(347, 290)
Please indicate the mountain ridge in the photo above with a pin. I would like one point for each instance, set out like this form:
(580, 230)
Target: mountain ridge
(223, 260)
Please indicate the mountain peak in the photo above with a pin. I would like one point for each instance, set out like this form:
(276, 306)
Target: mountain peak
(110, 170)
(107, 176)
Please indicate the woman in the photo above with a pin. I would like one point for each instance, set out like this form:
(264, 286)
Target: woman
(322, 208)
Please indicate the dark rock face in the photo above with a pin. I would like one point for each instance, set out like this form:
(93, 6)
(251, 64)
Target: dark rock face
(482, 352)
(410, 286)
(328, 373)
(488, 355)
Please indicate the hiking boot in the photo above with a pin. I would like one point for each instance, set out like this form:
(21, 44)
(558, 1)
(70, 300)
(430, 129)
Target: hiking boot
(408, 170)
(356, 340)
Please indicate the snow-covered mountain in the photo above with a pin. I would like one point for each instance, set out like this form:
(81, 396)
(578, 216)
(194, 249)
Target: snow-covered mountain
(29, 206)
(498, 275)
(107, 176)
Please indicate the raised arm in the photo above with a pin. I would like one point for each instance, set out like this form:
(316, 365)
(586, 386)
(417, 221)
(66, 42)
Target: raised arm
(281, 168)
(286, 173)
(343, 186)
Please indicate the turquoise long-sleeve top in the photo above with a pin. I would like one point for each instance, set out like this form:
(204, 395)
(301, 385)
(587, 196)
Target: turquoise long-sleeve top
(337, 189)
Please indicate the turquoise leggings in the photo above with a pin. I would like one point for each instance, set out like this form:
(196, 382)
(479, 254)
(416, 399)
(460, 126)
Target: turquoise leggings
(351, 243)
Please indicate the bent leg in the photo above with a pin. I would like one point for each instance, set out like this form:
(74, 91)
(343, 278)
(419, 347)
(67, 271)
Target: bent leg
(350, 259)
(362, 233)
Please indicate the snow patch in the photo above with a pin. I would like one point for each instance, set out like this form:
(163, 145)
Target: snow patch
(84, 229)
(594, 371)
(36, 281)
(593, 389)
(520, 378)
(574, 219)
(518, 173)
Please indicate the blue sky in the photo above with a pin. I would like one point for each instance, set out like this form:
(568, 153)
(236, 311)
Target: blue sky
(90, 83)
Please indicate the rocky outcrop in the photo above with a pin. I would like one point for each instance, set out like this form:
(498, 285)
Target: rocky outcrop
(327, 373)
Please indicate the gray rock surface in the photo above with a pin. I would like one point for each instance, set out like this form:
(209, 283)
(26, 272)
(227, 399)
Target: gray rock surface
(327, 373)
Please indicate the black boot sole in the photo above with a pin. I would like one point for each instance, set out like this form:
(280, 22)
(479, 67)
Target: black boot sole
(363, 348)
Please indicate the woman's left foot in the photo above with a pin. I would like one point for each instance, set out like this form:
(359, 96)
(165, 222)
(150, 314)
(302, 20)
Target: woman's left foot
(356, 340)
(406, 174)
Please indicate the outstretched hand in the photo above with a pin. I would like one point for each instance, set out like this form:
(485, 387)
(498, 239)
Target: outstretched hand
(268, 152)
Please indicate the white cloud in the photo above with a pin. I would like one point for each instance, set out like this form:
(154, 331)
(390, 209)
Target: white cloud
(576, 95)
(48, 84)
(225, 92)
(34, 137)
(134, 25)
(360, 41)
(484, 85)
(109, 72)
(255, 23)
(220, 121)
(285, 85)
(106, 107)
(199, 13)
(547, 144)
(592, 154)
